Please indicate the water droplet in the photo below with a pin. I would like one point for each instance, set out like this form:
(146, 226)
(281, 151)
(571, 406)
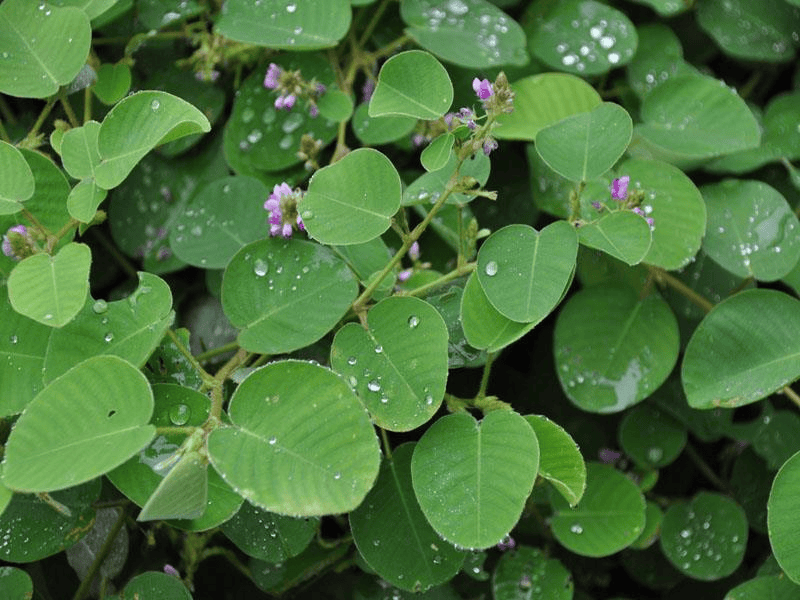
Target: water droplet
(307, 215)
(337, 475)
(413, 321)
(272, 440)
(429, 400)
(48, 316)
(655, 454)
(491, 268)
(378, 349)
(374, 386)
(576, 528)
(13, 339)
(384, 399)
(290, 8)
(179, 414)
(260, 267)
(286, 142)
(352, 360)
(155, 104)
(197, 231)
(108, 337)
(99, 307)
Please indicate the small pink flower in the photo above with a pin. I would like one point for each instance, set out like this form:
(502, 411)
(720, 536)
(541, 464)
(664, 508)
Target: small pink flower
(286, 101)
(273, 74)
(619, 188)
(488, 146)
(170, 570)
(404, 275)
(413, 251)
(313, 111)
(13, 232)
(483, 88)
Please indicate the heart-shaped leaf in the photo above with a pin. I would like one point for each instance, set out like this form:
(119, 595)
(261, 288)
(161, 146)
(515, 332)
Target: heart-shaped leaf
(413, 84)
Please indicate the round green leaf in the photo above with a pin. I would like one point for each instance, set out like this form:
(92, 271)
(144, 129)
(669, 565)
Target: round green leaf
(776, 587)
(23, 344)
(651, 437)
(152, 584)
(294, 25)
(694, 118)
(474, 493)
(675, 205)
(51, 289)
(113, 82)
(129, 328)
(302, 443)
(265, 138)
(609, 517)
(613, 349)
(219, 220)
(413, 84)
(652, 527)
(335, 106)
(524, 272)
(783, 517)
(16, 179)
(583, 37)
(469, 33)
(398, 366)
(32, 529)
(527, 574)
(428, 187)
(79, 150)
(541, 100)
(747, 347)
(49, 449)
(759, 31)
(750, 481)
(138, 124)
(560, 460)
(42, 47)
(437, 153)
(84, 199)
(484, 327)
(705, 538)
(393, 536)
(586, 145)
(353, 200)
(15, 584)
(660, 59)
(777, 437)
(622, 234)
(375, 131)
(273, 286)
(751, 230)
(143, 474)
(267, 536)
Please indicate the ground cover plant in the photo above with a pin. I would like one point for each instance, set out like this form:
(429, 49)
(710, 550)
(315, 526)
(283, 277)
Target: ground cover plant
(385, 299)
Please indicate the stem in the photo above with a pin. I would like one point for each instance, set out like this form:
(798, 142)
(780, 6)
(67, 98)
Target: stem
(208, 379)
(42, 116)
(5, 111)
(3, 133)
(86, 584)
(220, 377)
(387, 448)
(791, 394)
(422, 290)
(204, 356)
(87, 104)
(703, 467)
(232, 558)
(373, 22)
(73, 120)
(665, 278)
(187, 431)
(487, 369)
(390, 47)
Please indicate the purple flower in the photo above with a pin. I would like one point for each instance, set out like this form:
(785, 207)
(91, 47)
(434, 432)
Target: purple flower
(507, 543)
(597, 206)
(404, 274)
(273, 74)
(170, 570)
(367, 90)
(282, 207)
(413, 251)
(313, 111)
(321, 89)
(609, 456)
(286, 101)
(300, 225)
(467, 115)
(13, 232)
(417, 140)
(619, 188)
(483, 88)
(489, 145)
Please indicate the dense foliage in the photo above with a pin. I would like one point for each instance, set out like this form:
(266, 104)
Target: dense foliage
(378, 298)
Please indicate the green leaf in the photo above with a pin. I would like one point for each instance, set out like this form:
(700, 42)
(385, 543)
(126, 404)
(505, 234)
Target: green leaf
(79, 150)
(675, 205)
(652, 527)
(782, 517)
(353, 200)
(92, 8)
(267, 536)
(560, 462)
(140, 476)
(42, 47)
(182, 494)
(751, 230)
(437, 153)
(335, 106)
(771, 586)
(474, 493)
(706, 537)
(307, 448)
(612, 348)
(651, 437)
(657, 61)
(524, 272)
(84, 199)
(376, 131)
(155, 584)
(542, 100)
(460, 352)
(219, 220)
(393, 536)
(484, 327)
(624, 235)
(294, 25)
(398, 366)
(113, 83)
(747, 347)
(51, 289)
(130, 328)
(138, 124)
(49, 449)
(272, 287)
(33, 530)
(428, 187)
(412, 84)
(777, 437)
(665, 8)
(609, 517)
(23, 344)
(15, 584)
(757, 31)
(16, 179)
(583, 37)
(469, 33)
(695, 118)
(586, 145)
(527, 574)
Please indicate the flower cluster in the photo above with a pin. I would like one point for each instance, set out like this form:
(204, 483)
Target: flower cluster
(619, 192)
(17, 243)
(282, 206)
(291, 87)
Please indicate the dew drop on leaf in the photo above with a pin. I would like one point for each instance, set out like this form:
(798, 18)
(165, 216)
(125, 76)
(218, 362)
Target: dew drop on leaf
(260, 267)
(99, 307)
(108, 337)
(179, 414)
(413, 321)
(155, 104)
(374, 386)
(491, 268)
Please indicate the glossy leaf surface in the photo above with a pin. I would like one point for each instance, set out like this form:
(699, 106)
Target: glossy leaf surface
(560, 460)
(528, 574)
(412, 84)
(782, 517)
(16, 179)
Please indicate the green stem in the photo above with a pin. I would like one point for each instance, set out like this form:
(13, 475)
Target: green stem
(219, 379)
(230, 556)
(390, 48)
(387, 447)
(373, 22)
(42, 116)
(207, 378)
(706, 470)
(487, 369)
(224, 349)
(187, 431)
(5, 111)
(86, 584)
(422, 290)
(791, 394)
(673, 282)
(73, 119)
(87, 104)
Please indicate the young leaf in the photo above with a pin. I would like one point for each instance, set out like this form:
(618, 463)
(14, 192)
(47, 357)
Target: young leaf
(623, 235)
(414, 84)
(437, 153)
(16, 179)
(560, 461)
(182, 494)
